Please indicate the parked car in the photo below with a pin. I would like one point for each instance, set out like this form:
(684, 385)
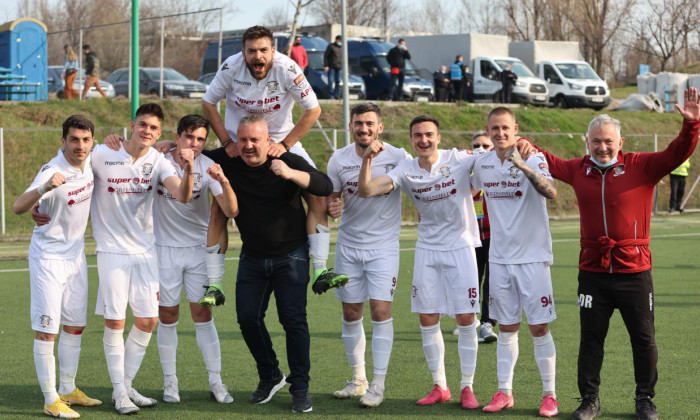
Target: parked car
(174, 83)
(55, 84)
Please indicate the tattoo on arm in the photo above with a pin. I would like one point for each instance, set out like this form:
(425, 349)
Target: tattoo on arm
(543, 185)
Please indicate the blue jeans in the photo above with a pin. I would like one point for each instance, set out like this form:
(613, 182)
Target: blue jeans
(288, 278)
(334, 82)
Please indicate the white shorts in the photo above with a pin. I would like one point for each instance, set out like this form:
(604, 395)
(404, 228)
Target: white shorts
(59, 293)
(372, 273)
(127, 278)
(178, 266)
(298, 150)
(514, 287)
(445, 282)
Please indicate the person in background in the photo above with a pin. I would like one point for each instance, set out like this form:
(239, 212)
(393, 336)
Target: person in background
(333, 64)
(397, 57)
(70, 70)
(441, 81)
(457, 78)
(298, 54)
(678, 177)
(508, 79)
(92, 72)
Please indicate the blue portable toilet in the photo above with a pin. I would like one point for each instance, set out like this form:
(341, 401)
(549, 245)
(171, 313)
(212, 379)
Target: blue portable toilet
(23, 60)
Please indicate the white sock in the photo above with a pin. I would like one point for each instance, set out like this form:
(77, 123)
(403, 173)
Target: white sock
(134, 351)
(113, 341)
(546, 358)
(45, 364)
(506, 356)
(382, 343)
(68, 358)
(166, 338)
(208, 342)
(215, 264)
(434, 350)
(467, 345)
(353, 335)
(318, 246)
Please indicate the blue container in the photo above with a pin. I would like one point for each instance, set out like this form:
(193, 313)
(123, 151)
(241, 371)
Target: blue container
(24, 61)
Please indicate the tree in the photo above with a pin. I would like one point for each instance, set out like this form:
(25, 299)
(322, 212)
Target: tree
(359, 12)
(300, 5)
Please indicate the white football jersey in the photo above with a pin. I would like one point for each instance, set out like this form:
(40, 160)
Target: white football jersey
(273, 97)
(69, 208)
(366, 223)
(185, 224)
(122, 216)
(517, 212)
(443, 199)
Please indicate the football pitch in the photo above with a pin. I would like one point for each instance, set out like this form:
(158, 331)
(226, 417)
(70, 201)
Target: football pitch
(675, 243)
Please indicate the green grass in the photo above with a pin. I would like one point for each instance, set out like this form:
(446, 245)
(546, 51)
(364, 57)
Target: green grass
(674, 246)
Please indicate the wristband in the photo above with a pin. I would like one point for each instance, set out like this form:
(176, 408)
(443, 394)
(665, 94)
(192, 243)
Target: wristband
(285, 145)
(41, 189)
(226, 143)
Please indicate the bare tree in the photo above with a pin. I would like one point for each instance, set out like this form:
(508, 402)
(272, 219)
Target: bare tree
(359, 12)
(430, 16)
(525, 18)
(275, 17)
(481, 17)
(300, 5)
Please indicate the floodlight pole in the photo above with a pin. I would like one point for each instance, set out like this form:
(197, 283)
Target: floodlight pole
(134, 58)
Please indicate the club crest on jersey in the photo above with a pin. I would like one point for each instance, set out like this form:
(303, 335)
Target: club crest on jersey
(619, 170)
(146, 169)
(389, 167)
(514, 172)
(445, 171)
(196, 177)
(273, 87)
(45, 320)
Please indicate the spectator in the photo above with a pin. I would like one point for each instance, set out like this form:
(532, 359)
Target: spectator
(397, 57)
(92, 72)
(457, 78)
(678, 177)
(442, 84)
(508, 79)
(333, 63)
(468, 84)
(298, 54)
(70, 70)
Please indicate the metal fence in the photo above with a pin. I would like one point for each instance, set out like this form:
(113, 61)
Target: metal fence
(24, 150)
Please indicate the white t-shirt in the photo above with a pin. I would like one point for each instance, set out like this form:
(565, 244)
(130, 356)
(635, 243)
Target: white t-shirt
(69, 208)
(517, 212)
(273, 96)
(185, 224)
(366, 223)
(443, 199)
(122, 216)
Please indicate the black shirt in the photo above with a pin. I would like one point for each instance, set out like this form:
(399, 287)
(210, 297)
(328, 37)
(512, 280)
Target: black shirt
(271, 217)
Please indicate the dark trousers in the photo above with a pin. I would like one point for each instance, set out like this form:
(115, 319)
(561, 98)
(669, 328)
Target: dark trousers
(482, 265)
(397, 85)
(677, 191)
(287, 277)
(458, 87)
(441, 94)
(506, 93)
(633, 295)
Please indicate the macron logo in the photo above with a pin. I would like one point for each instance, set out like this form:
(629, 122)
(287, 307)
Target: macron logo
(114, 163)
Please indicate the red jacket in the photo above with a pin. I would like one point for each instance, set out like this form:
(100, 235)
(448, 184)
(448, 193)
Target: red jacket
(615, 204)
(298, 54)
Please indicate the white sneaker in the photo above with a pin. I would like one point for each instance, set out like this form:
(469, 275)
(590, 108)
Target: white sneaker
(352, 388)
(139, 399)
(170, 393)
(486, 334)
(123, 404)
(373, 397)
(220, 393)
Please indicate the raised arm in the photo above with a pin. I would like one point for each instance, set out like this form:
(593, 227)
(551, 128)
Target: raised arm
(543, 185)
(218, 127)
(227, 199)
(302, 126)
(368, 186)
(181, 189)
(27, 200)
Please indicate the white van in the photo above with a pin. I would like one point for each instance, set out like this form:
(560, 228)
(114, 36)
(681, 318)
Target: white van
(573, 84)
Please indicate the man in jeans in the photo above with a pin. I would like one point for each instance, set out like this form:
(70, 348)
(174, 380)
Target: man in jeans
(92, 72)
(275, 256)
(333, 63)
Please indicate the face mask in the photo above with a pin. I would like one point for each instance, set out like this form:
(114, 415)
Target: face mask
(610, 163)
(339, 43)
(478, 150)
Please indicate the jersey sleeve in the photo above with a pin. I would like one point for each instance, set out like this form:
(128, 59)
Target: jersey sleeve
(221, 83)
(164, 168)
(45, 173)
(300, 89)
(395, 174)
(334, 174)
(539, 164)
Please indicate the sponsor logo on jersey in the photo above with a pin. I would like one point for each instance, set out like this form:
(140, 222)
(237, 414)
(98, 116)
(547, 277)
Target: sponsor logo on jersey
(514, 172)
(273, 87)
(437, 197)
(306, 92)
(389, 167)
(409, 176)
(81, 189)
(503, 194)
(146, 169)
(299, 79)
(543, 166)
(487, 166)
(125, 190)
(445, 171)
(350, 168)
(439, 186)
(108, 163)
(241, 82)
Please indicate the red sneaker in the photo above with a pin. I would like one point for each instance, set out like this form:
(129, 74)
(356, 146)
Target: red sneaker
(437, 395)
(550, 407)
(499, 402)
(468, 399)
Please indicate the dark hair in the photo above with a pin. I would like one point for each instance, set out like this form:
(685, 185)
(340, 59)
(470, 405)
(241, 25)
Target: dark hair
(86, 46)
(192, 122)
(150, 109)
(78, 121)
(257, 32)
(458, 57)
(401, 40)
(338, 37)
(364, 108)
(424, 118)
(500, 111)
